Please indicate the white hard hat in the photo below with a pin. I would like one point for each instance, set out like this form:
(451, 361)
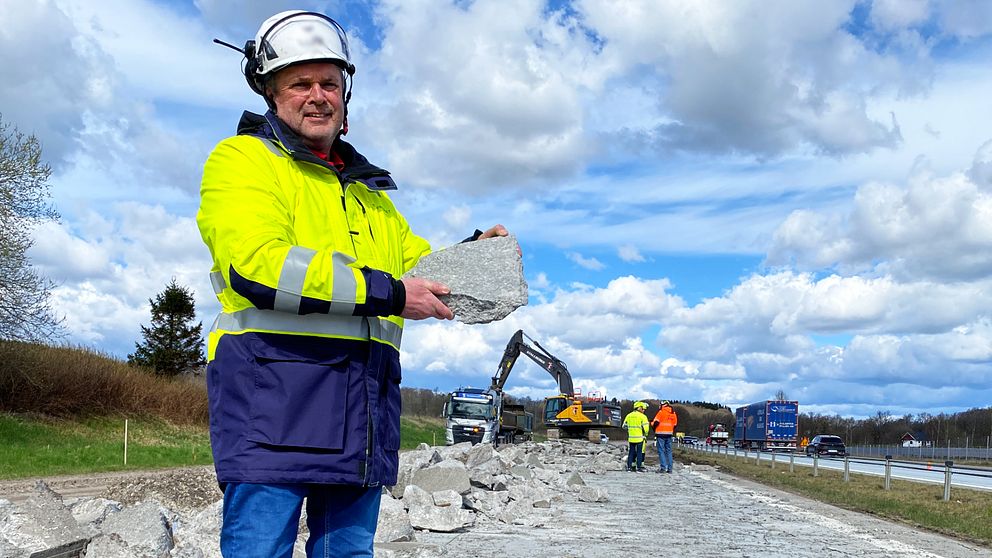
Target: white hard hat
(292, 37)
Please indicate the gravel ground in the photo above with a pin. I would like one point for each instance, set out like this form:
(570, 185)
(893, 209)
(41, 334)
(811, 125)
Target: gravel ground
(696, 511)
(699, 512)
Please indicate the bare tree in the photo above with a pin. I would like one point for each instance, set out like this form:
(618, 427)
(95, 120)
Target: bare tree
(780, 395)
(25, 310)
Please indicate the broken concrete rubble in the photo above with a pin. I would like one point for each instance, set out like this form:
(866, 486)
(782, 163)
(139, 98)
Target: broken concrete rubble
(447, 490)
(486, 278)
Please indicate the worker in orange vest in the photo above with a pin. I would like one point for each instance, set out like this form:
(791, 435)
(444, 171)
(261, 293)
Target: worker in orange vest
(664, 428)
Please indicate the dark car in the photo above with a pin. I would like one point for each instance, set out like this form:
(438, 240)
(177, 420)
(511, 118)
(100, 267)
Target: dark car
(689, 440)
(826, 445)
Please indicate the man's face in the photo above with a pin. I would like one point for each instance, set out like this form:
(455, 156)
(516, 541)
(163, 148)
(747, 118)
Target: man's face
(309, 99)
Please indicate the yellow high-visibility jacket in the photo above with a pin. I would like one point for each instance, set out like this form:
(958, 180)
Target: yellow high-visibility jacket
(304, 374)
(293, 241)
(636, 424)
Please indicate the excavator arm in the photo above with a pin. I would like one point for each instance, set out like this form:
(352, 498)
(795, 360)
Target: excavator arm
(540, 355)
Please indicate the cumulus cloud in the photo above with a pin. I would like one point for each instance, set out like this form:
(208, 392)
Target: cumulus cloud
(58, 77)
(107, 266)
(595, 331)
(935, 228)
(731, 81)
(490, 101)
(902, 275)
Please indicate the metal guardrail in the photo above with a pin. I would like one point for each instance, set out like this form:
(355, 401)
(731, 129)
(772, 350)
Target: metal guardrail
(931, 452)
(884, 465)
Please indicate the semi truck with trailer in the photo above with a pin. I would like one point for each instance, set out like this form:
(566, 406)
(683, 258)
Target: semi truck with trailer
(767, 426)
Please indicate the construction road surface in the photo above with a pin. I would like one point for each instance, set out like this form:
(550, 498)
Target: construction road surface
(695, 512)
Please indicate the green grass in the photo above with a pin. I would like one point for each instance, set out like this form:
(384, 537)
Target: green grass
(40, 447)
(44, 447)
(968, 514)
(417, 430)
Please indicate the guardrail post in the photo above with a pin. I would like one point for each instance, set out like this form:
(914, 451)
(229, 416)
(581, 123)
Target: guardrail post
(847, 470)
(773, 460)
(888, 472)
(792, 462)
(816, 463)
(947, 479)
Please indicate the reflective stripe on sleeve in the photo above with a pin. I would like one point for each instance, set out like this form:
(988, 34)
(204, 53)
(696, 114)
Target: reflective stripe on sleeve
(217, 282)
(345, 285)
(291, 278)
(294, 274)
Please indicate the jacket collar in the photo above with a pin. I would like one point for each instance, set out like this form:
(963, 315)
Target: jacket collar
(356, 166)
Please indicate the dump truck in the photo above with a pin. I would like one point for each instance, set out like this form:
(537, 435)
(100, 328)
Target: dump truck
(479, 415)
(767, 426)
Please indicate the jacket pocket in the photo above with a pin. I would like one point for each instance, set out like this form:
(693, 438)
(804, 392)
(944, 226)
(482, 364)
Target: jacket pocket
(299, 400)
(391, 407)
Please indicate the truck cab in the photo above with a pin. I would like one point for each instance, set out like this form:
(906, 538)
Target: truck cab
(470, 415)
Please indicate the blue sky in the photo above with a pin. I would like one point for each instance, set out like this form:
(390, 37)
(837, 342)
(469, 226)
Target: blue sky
(716, 200)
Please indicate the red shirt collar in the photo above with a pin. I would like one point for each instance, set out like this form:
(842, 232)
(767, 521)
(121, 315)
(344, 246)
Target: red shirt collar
(332, 158)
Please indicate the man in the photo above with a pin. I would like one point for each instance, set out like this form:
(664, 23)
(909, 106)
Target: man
(664, 428)
(307, 247)
(636, 423)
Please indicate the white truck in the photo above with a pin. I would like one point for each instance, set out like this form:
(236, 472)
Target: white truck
(481, 416)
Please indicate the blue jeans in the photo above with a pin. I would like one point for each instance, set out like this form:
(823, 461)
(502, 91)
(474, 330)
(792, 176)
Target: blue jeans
(261, 520)
(635, 454)
(664, 444)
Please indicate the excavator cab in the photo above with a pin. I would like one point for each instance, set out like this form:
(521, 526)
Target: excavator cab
(553, 406)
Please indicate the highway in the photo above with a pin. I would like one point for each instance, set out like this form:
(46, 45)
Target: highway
(979, 478)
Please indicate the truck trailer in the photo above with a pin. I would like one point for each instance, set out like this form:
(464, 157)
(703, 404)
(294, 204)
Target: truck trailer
(767, 425)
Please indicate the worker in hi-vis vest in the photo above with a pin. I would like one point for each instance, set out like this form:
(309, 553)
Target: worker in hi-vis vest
(636, 423)
(664, 428)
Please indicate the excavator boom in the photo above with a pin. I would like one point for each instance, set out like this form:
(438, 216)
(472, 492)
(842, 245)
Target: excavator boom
(566, 411)
(540, 355)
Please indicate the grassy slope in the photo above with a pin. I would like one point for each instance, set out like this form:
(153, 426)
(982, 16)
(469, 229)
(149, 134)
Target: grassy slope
(62, 411)
(41, 447)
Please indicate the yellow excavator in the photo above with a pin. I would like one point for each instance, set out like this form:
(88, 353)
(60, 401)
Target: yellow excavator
(568, 414)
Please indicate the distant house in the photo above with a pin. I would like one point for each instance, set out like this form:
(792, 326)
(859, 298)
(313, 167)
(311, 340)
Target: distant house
(914, 440)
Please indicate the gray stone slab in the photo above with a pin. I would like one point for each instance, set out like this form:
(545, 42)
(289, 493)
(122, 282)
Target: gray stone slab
(486, 278)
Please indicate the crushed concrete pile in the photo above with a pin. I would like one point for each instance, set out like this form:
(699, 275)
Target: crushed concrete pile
(440, 489)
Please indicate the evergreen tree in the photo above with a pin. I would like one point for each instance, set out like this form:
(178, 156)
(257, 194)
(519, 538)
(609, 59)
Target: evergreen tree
(172, 345)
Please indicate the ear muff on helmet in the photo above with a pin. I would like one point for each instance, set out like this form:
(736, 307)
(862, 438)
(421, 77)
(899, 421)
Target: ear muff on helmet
(251, 68)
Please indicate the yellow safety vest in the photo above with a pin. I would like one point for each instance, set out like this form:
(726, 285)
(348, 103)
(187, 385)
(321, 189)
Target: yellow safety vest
(636, 424)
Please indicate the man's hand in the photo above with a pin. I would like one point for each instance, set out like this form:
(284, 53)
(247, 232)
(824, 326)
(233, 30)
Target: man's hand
(496, 230)
(422, 301)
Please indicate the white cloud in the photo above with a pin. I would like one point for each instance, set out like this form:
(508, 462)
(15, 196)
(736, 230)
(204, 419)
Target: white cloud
(933, 228)
(630, 253)
(584, 262)
(109, 265)
(736, 82)
(893, 15)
